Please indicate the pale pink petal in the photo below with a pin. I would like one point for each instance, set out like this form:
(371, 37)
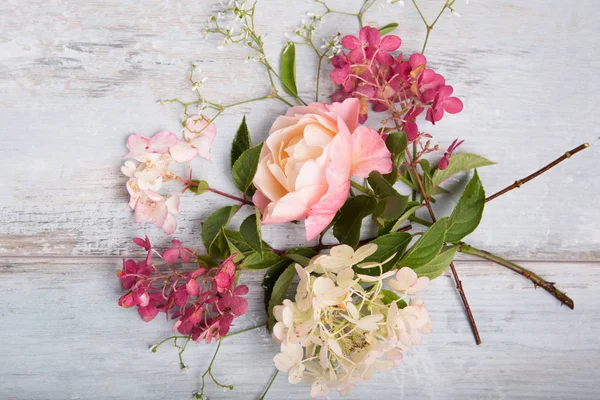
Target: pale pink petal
(173, 204)
(294, 205)
(369, 153)
(183, 152)
(203, 143)
(137, 145)
(161, 142)
(260, 200)
(169, 224)
(338, 178)
(266, 182)
(348, 110)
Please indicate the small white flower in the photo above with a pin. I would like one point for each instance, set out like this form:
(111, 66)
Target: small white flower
(290, 361)
(406, 282)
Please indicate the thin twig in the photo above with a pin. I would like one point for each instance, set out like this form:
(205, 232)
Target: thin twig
(459, 286)
(521, 182)
(533, 277)
(270, 384)
(229, 196)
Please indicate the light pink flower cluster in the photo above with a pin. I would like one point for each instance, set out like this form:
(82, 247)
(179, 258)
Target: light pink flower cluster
(204, 301)
(370, 72)
(155, 156)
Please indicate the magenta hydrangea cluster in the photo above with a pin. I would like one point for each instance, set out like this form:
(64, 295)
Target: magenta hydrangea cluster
(204, 301)
(369, 71)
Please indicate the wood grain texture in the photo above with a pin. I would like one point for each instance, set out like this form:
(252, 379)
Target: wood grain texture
(64, 337)
(76, 77)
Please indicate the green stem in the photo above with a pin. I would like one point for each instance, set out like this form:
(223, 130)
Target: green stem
(418, 220)
(270, 384)
(533, 277)
(361, 188)
(209, 372)
(318, 77)
(244, 330)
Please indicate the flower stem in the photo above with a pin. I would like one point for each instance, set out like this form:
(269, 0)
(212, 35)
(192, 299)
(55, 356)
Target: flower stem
(208, 371)
(270, 384)
(521, 182)
(229, 196)
(533, 277)
(459, 286)
(361, 188)
(244, 330)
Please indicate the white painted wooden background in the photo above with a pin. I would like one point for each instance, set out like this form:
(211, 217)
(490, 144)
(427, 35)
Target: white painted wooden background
(76, 77)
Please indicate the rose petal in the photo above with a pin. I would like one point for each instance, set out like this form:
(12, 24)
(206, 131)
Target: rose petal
(369, 153)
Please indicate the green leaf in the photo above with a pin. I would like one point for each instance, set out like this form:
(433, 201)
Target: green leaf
(427, 247)
(411, 208)
(460, 162)
(389, 296)
(241, 142)
(256, 260)
(391, 203)
(244, 168)
(468, 211)
(396, 143)
(288, 69)
(268, 284)
(387, 245)
(211, 229)
(250, 230)
(347, 227)
(301, 255)
(200, 189)
(384, 30)
(439, 264)
(233, 249)
(381, 187)
(281, 286)
(206, 261)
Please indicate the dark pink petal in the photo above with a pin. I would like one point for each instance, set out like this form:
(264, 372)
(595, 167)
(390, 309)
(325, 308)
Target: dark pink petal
(126, 300)
(140, 242)
(366, 90)
(338, 96)
(362, 118)
(241, 290)
(412, 131)
(417, 59)
(357, 56)
(222, 279)
(239, 306)
(444, 162)
(363, 34)
(373, 36)
(379, 107)
(148, 313)
(141, 297)
(350, 42)
(176, 243)
(453, 105)
(339, 75)
(192, 287)
(390, 43)
(385, 58)
(186, 254)
(198, 272)
(171, 255)
(429, 95)
(445, 91)
(181, 297)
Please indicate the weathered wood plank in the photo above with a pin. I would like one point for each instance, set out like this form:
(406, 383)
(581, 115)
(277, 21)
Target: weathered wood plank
(63, 336)
(78, 76)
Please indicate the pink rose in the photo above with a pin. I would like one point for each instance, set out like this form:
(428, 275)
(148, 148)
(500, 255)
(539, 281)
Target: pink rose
(307, 161)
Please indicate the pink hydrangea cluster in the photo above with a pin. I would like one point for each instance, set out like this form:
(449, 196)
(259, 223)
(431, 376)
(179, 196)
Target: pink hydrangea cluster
(369, 71)
(204, 302)
(155, 155)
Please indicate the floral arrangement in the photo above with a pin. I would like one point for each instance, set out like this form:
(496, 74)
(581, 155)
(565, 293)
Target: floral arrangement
(355, 308)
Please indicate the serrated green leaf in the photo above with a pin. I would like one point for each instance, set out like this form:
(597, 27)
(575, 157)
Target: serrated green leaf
(460, 162)
(439, 264)
(427, 247)
(387, 245)
(233, 249)
(256, 260)
(211, 229)
(288, 69)
(388, 296)
(281, 286)
(269, 280)
(241, 142)
(468, 211)
(391, 203)
(250, 230)
(202, 187)
(384, 30)
(411, 208)
(396, 143)
(245, 167)
(347, 227)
